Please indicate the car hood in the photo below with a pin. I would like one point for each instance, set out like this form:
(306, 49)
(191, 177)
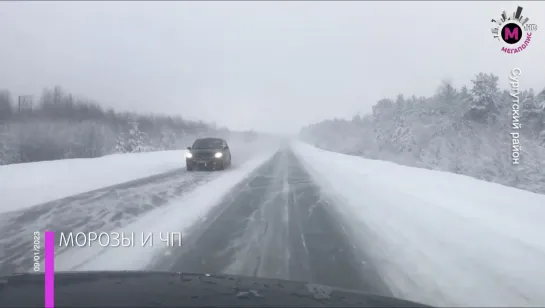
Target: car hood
(160, 289)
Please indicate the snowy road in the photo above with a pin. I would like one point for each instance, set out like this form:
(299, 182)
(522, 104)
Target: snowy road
(276, 224)
(301, 213)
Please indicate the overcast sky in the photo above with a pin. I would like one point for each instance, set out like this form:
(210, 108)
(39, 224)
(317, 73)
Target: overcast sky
(272, 66)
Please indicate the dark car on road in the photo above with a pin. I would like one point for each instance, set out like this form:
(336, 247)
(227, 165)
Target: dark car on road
(208, 153)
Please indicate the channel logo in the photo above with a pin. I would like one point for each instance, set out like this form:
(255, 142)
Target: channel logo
(513, 31)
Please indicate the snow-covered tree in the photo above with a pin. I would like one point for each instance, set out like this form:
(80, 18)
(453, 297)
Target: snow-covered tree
(462, 131)
(484, 92)
(168, 140)
(8, 147)
(136, 140)
(121, 144)
(65, 126)
(6, 105)
(383, 117)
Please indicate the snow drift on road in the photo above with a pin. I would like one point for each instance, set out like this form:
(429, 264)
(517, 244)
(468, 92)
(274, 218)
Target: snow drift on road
(178, 216)
(439, 238)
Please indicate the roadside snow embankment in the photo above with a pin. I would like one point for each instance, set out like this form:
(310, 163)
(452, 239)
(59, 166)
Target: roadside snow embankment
(178, 216)
(25, 185)
(439, 238)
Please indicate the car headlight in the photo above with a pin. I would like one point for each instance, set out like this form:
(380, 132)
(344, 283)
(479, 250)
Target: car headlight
(188, 155)
(218, 155)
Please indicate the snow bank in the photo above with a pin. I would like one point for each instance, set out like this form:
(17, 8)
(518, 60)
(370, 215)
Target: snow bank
(178, 216)
(439, 238)
(24, 185)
